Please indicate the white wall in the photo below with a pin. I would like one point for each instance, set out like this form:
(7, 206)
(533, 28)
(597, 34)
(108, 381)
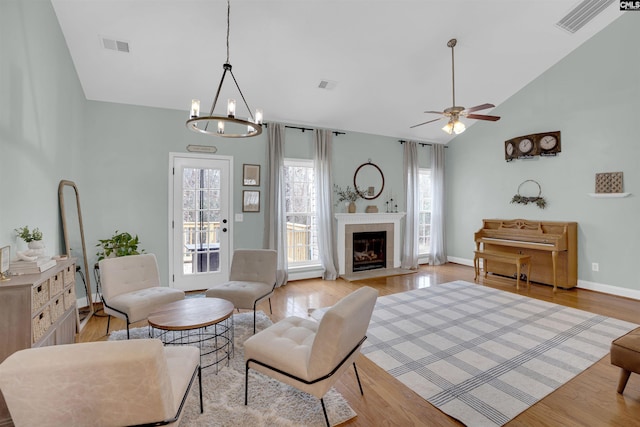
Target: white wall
(42, 113)
(593, 97)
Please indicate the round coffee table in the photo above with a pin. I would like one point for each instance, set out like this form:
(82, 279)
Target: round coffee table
(205, 322)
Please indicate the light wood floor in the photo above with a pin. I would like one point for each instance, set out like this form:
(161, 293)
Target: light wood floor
(590, 399)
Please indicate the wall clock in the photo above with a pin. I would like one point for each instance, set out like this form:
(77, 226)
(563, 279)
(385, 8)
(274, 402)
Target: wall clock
(509, 150)
(529, 146)
(549, 143)
(525, 146)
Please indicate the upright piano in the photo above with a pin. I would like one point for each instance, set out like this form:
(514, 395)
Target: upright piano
(553, 247)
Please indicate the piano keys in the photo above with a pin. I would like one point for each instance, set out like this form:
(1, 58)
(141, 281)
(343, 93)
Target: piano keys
(552, 245)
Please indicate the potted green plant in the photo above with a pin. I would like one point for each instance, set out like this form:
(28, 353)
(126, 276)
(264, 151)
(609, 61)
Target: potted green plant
(120, 244)
(29, 236)
(33, 238)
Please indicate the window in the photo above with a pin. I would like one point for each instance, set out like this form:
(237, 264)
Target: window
(424, 211)
(300, 195)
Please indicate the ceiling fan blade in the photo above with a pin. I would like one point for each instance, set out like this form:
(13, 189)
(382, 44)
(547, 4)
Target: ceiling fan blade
(479, 107)
(435, 112)
(420, 124)
(483, 117)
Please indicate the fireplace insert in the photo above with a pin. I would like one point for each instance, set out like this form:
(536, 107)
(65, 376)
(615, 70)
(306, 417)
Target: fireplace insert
(369, 250)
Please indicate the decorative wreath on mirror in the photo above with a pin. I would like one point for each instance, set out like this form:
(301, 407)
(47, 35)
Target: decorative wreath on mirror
(525, 200)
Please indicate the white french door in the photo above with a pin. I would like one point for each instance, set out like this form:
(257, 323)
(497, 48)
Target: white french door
(200, 208)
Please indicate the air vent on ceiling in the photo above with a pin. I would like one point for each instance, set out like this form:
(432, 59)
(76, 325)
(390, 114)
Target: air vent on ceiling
(582, 14)
(117, 45)
(327, 84)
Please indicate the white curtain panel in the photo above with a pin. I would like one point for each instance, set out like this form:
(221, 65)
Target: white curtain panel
(324, 203)
(411, 175)
(437, 250)
(275, 214)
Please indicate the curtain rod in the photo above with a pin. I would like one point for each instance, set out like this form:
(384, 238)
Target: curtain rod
(335, 132)
(422, 144)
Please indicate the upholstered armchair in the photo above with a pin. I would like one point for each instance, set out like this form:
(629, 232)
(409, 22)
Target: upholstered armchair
(131, 288)
(106, 383)
(252, 278)
(309, 355)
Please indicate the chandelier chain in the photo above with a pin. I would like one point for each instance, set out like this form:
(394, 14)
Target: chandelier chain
(228, 26)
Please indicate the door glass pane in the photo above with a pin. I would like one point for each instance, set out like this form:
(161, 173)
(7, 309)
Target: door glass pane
(201, 220)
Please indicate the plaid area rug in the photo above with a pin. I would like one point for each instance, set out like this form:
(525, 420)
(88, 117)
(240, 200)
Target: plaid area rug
(482, 355)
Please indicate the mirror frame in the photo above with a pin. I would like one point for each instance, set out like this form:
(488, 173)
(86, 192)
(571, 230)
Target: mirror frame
(355, 183)
(65, 231)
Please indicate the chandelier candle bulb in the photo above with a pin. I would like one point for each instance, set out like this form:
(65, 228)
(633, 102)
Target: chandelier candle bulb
(195, 108)
(258, 116)
(220, 127)
(231, 107)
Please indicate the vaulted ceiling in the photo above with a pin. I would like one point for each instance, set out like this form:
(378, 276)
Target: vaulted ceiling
(386, 61)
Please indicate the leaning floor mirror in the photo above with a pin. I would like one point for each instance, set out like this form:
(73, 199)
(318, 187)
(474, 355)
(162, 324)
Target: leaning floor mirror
(74, 247)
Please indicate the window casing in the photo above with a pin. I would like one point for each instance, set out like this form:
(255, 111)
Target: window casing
(300, 201)
(424, 211)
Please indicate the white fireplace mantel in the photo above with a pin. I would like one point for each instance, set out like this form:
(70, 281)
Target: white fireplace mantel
(344, 219)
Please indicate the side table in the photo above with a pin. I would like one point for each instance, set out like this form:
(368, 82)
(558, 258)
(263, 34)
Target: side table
(205, 322)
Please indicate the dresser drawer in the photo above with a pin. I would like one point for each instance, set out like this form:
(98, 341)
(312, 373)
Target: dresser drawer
(56, 284)
(57, 308)
(69, 297)
(40, 324)
(69, 275)
(39, 296)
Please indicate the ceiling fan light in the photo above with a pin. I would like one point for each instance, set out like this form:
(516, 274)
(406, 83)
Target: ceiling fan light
(448, 128)
(458, 127)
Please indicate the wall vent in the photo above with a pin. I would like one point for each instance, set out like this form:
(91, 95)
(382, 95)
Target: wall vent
(117, 45)
(582, 14)
(327, 84)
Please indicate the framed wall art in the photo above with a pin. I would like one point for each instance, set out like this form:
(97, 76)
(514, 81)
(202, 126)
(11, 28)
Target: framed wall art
(250, 201)
(251, 175)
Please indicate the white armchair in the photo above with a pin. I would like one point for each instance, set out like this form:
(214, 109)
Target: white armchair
(101, 384)
(252, 278)
(131, 288)
(311, 356)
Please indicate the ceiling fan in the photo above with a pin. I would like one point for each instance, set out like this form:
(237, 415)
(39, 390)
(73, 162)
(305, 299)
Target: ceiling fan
(453, 113)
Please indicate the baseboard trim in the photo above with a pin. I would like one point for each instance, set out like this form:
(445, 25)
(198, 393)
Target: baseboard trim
(582, 284)
(608, 289)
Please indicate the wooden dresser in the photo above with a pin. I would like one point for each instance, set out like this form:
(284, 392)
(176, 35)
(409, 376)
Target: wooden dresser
(37, 310)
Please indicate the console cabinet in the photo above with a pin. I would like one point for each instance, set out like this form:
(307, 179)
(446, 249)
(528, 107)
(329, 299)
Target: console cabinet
(37, 310)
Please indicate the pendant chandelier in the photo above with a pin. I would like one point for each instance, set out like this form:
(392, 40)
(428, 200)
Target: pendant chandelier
(229, 125)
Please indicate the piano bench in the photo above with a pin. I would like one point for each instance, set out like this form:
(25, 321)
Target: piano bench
(506, 257)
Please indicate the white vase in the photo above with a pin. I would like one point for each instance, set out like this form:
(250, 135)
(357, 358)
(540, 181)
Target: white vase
(36, 248)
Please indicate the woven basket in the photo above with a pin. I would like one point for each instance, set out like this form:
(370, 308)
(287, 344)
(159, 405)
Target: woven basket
(40, 324)
(56, 285)
(39, 296)
(57, 308)
(69, 297)
(69, 274)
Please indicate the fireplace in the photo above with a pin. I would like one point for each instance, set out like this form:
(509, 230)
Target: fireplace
(349, 224)
(369, 250)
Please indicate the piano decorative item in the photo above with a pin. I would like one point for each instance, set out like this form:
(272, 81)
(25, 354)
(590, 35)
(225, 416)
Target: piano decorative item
(553, 247)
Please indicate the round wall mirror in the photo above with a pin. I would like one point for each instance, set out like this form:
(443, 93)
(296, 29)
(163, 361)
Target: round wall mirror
(369, 181)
